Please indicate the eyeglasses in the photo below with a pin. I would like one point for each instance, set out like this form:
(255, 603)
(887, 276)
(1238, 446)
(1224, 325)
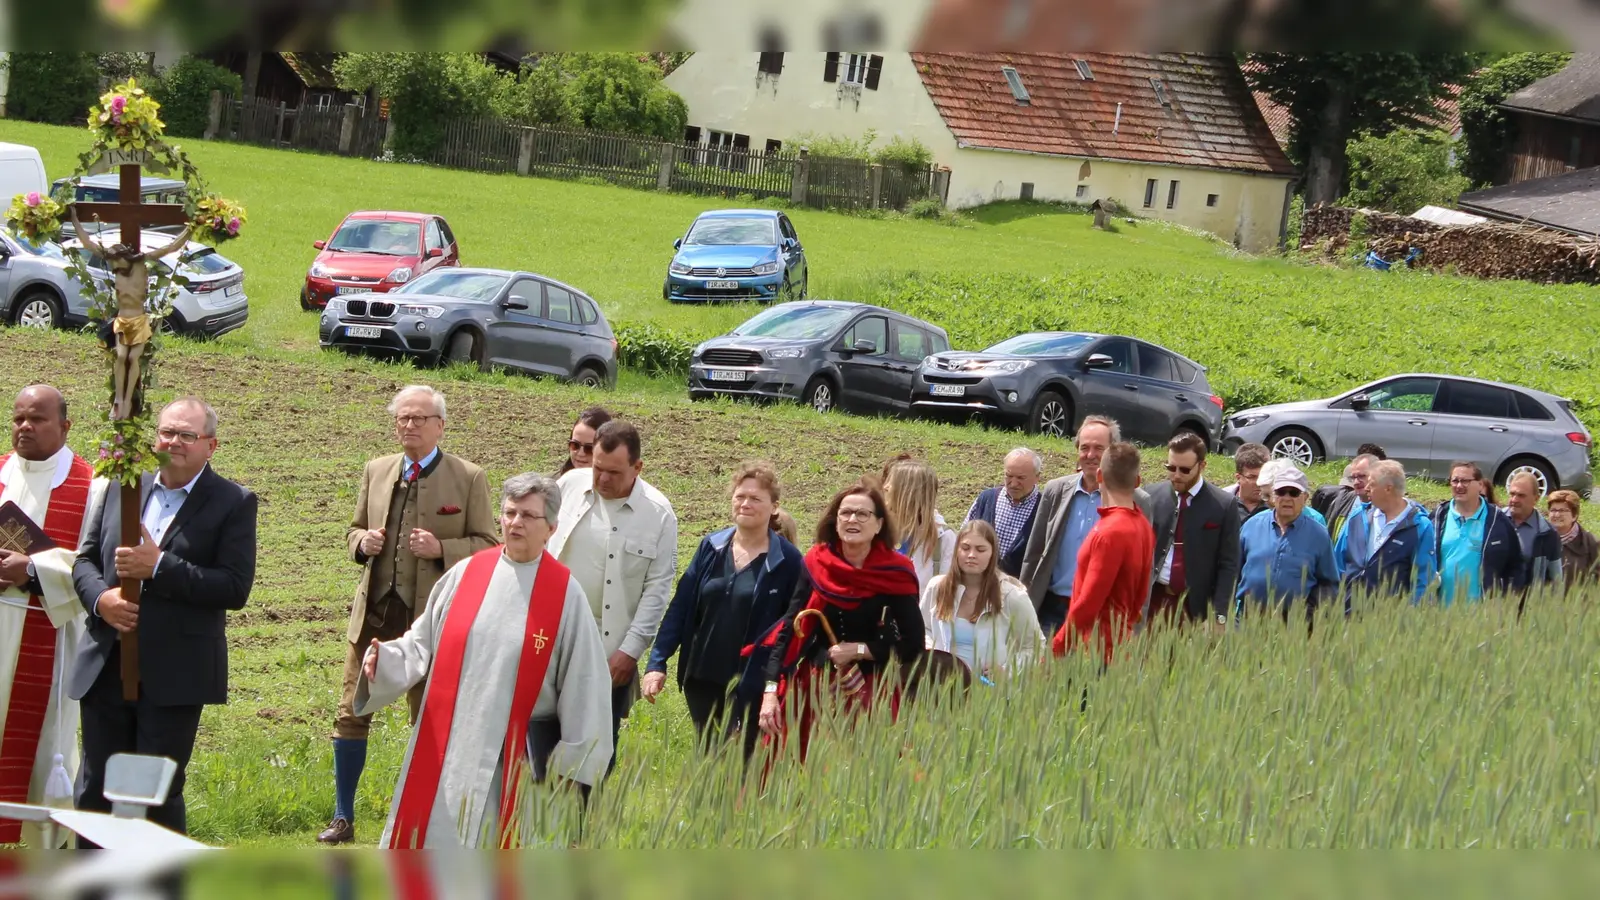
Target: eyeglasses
(1287, 492)
(1184, 469)
(408, 421)
(858, 514)
(1463, 481)
(173, 436)
(575, 446)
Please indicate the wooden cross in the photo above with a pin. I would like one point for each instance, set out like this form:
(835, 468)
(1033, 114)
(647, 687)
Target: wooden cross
(133, 216)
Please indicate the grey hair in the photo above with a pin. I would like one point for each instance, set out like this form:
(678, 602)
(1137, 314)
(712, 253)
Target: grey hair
(205, 410)
(1387, 471)
(1109, 423)
(1350, 469)
(1038, 461)
(529, 483)
(434, 395)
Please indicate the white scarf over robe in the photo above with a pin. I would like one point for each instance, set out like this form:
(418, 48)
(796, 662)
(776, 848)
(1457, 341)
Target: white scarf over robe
(576, 691)
(29, 484)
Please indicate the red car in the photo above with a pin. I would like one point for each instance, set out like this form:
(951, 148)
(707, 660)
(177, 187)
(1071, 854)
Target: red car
(377, 250)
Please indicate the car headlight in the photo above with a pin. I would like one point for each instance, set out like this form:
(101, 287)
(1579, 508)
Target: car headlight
(318, 270)
(1000, 366)
(419, 309)
(786, 353)
(770, 268)
(400, 275)
(679, 268)
(1245, 421)
(335, 306)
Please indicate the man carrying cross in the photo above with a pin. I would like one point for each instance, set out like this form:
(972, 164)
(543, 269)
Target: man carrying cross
(41, 622)
(507, 637)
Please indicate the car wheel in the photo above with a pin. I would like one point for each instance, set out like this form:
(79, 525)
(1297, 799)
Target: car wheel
(37, 310)
(1051, 415)
(305, 300)
(819, 395)
(804, 280)
(463, 348)
(589, 377)
(1297, 444)
(1529, 465)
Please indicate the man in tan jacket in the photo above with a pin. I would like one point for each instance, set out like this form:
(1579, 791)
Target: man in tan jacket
(419, 513)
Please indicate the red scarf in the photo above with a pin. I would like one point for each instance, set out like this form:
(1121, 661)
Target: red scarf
(835, 582)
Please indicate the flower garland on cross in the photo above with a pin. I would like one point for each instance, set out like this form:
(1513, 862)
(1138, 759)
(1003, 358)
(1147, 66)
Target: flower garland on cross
(127, 133)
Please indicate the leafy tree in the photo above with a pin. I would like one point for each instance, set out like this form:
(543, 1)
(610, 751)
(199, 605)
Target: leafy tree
(184, 92)
(1487, 133)
(1332, 97)
(1402, 171)
(55, 88)
(619, 92)
(426, 90)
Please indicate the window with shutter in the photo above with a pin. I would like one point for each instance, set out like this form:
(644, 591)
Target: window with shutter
(830, 68)
(874, 71)
(1150, 193)
(770, 63)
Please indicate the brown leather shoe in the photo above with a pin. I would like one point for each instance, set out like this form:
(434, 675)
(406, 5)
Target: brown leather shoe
(339, 831)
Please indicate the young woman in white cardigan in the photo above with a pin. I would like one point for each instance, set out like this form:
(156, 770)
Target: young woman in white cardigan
(912, 491)
(978, 615)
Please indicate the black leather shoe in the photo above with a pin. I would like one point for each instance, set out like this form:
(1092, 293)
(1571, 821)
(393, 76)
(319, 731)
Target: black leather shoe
(339, 831)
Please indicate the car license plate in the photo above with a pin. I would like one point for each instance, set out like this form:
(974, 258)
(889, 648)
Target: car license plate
(362, 331)
(947, 390)
(233, 290)
(725, 375)
(343, 289)
(722, 285)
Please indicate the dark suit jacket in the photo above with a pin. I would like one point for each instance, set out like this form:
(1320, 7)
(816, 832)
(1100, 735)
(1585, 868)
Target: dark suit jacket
(1210, 545)
(207, 566)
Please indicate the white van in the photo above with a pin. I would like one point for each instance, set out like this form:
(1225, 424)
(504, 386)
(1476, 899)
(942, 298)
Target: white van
(21, 171)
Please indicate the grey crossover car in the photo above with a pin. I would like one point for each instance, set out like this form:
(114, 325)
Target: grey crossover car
(35, 289)
(827, 354)
(485, 317)
(1426, 422)
(1049, 381)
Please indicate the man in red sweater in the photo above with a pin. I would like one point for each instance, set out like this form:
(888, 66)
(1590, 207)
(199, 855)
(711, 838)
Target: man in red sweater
(1113, 576)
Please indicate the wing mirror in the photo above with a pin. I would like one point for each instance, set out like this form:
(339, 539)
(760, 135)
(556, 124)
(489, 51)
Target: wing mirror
(788, 244)
(514, 302)
(435, 253)
(1099, 361)
(677, 244)
(1360, 402)
(864, 346)
(320, 245)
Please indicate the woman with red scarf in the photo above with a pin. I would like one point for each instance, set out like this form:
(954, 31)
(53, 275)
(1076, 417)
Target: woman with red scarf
(867, 592)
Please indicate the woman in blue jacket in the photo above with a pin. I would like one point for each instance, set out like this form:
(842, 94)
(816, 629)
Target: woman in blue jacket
(736, 588)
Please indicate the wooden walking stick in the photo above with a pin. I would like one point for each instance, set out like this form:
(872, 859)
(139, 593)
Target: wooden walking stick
(850, 677)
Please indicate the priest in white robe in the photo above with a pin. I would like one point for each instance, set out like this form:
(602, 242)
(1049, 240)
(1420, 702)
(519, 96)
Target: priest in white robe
(41, 620)
(507, 636)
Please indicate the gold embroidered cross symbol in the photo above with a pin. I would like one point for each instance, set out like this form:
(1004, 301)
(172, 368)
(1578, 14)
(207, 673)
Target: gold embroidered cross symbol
(14, 537)
(539, 640)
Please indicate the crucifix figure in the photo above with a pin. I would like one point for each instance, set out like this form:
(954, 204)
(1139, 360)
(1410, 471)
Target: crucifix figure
(131, 332)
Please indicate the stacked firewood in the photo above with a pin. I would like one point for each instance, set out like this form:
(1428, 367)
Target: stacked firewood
(1485, 250)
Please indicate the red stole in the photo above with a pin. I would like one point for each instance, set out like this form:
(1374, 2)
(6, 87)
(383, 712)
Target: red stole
(415, 798)
(36, 658)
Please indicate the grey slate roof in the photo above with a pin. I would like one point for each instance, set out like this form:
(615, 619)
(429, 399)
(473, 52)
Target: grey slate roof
(1568, 202)
(1573, 92)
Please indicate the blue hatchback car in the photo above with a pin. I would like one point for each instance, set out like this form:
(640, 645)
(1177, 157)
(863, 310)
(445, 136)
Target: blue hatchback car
(737, 254)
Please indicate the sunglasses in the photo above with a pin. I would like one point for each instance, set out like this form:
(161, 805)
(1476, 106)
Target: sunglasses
(1184, 469)
(1287, 492)
(575, 446)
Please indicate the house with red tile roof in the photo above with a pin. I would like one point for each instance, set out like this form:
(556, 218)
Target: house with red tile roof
(1174, 136)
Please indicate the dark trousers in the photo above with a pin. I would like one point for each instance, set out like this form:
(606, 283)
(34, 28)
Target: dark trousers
(1052, 615)
(717, 713)
(113, 725)
(543, 736)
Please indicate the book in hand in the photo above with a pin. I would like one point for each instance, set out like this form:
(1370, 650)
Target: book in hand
(19, 534)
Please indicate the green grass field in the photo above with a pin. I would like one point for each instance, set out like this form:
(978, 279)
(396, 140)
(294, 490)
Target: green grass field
(1407, 728)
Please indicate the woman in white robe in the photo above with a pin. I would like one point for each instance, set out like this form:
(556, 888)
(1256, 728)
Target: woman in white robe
(576, 688)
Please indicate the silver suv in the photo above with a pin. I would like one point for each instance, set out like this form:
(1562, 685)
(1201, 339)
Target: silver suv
(1426, 422)
(35, 289)
(213, 301)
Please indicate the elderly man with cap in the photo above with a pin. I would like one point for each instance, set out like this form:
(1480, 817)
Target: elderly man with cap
(1285, 556)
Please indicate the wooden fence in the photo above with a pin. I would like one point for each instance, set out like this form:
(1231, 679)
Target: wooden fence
(489, 144)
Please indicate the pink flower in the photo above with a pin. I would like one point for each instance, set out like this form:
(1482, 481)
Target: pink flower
(118, 104)
(233, 225)
(116, 439)
(117, 454)
(104, 453)
(32, 199)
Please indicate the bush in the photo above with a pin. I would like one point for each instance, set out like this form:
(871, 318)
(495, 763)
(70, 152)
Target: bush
(909, 154)
(1402, 171)
(53, 88)
(427, 90)
(1486, 133)
(652, 349)
(184, 92)
(615, 92)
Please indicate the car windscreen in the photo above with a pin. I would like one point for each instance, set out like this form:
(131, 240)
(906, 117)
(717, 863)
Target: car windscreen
(1042, 345)
(479, 287)
(43, 248)
(377, 236)
(205, 262)
(805, 323)
(719, 230)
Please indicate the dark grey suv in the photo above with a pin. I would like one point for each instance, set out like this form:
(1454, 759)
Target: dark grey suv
(1048, 381)
(484, 317)
(825, 353)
